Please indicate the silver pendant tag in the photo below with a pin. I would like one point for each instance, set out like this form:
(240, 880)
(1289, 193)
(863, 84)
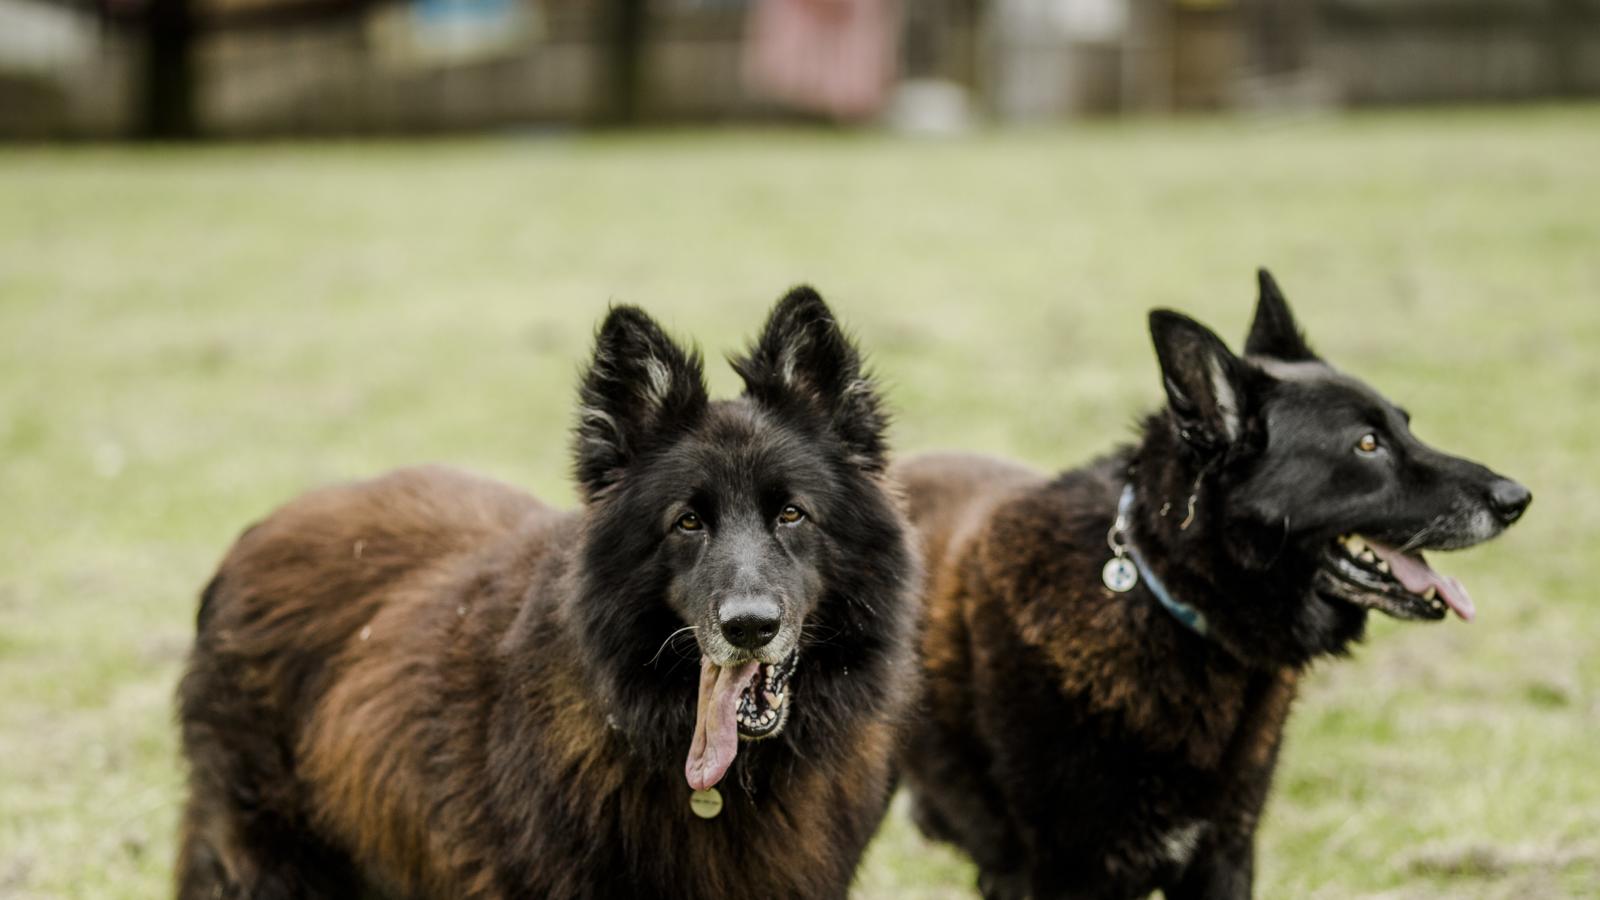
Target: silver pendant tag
(706, 804)
(1119, 574)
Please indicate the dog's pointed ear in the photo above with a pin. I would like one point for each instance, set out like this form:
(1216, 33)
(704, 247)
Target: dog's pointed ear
(1203, 379)
(803, 364)
(640, 389)
(1274, 332)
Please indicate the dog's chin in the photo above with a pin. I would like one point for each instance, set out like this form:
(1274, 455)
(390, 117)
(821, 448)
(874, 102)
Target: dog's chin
(1350, 572)
(764, 703)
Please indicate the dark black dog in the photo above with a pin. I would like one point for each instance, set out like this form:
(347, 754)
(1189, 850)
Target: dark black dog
(1111, 654)
(432, 685)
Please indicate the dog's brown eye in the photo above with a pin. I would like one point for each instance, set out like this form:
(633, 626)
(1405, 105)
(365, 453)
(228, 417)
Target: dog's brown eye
(790, 515)
(689, 522)
(1368, 443)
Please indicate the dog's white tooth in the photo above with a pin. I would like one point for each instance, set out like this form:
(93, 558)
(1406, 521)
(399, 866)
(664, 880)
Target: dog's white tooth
(1355, 544)
(1367, 556)
(1431, 593)
(1383, 567)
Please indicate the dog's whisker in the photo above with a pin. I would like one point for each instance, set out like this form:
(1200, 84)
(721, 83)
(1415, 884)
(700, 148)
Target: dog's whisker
(1422, 534)
(814, 634)
(664, 643)
(676, 644)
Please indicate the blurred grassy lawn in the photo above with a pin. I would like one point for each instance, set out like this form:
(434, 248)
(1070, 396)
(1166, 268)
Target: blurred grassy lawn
(189, 338)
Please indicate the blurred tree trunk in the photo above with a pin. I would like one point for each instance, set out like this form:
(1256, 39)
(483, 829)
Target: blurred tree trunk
(625, 26)
(167, 104)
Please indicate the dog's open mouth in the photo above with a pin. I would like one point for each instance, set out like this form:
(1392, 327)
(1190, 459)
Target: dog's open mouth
(1370, 573)
(764, 703)
(748, 700)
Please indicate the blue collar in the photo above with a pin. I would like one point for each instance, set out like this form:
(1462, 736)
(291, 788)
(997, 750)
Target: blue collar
(1192, 618)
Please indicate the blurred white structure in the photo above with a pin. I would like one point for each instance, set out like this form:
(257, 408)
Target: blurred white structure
(60, 71)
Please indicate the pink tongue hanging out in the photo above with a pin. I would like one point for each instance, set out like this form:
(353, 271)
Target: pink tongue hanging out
(716, 726)
(1416, 576)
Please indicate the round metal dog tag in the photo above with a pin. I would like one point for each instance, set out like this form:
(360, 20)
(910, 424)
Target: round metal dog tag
(706, 804)
(1119, 574)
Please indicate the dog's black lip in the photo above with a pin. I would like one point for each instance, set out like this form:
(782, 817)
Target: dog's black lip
(778, 674)
(1341, 577)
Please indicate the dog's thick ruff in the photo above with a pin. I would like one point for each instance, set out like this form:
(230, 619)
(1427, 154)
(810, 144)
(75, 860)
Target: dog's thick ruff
(1079, 742)
(433, 685)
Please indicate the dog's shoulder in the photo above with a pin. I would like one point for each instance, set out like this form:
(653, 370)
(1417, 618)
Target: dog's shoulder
(1033, 573)
(1051, 532)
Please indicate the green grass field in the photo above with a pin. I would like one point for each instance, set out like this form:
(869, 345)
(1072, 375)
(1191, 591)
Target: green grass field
(189, 338)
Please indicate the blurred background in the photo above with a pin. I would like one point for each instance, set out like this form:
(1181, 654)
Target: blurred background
(252, 246)
(239, 68)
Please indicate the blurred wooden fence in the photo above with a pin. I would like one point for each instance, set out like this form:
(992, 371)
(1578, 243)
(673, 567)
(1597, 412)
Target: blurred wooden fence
(262, 67)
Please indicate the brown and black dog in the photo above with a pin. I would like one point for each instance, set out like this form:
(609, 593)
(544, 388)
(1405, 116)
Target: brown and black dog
(433, 685)
(1111, 653)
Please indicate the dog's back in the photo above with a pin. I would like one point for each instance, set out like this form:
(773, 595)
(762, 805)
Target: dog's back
(949, 495)
(312, 650)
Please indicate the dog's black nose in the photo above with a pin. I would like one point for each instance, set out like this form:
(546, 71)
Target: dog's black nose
(749, 621)
(1509, 499)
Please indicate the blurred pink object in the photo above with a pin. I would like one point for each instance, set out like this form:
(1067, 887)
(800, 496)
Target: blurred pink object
(837, 57)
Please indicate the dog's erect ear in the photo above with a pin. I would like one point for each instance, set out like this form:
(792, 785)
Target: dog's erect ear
(1274, 332)
(804, 365)
(640, 389)
(1204, 380)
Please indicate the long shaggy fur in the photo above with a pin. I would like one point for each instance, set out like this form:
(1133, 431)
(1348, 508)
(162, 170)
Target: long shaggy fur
(433, 685)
